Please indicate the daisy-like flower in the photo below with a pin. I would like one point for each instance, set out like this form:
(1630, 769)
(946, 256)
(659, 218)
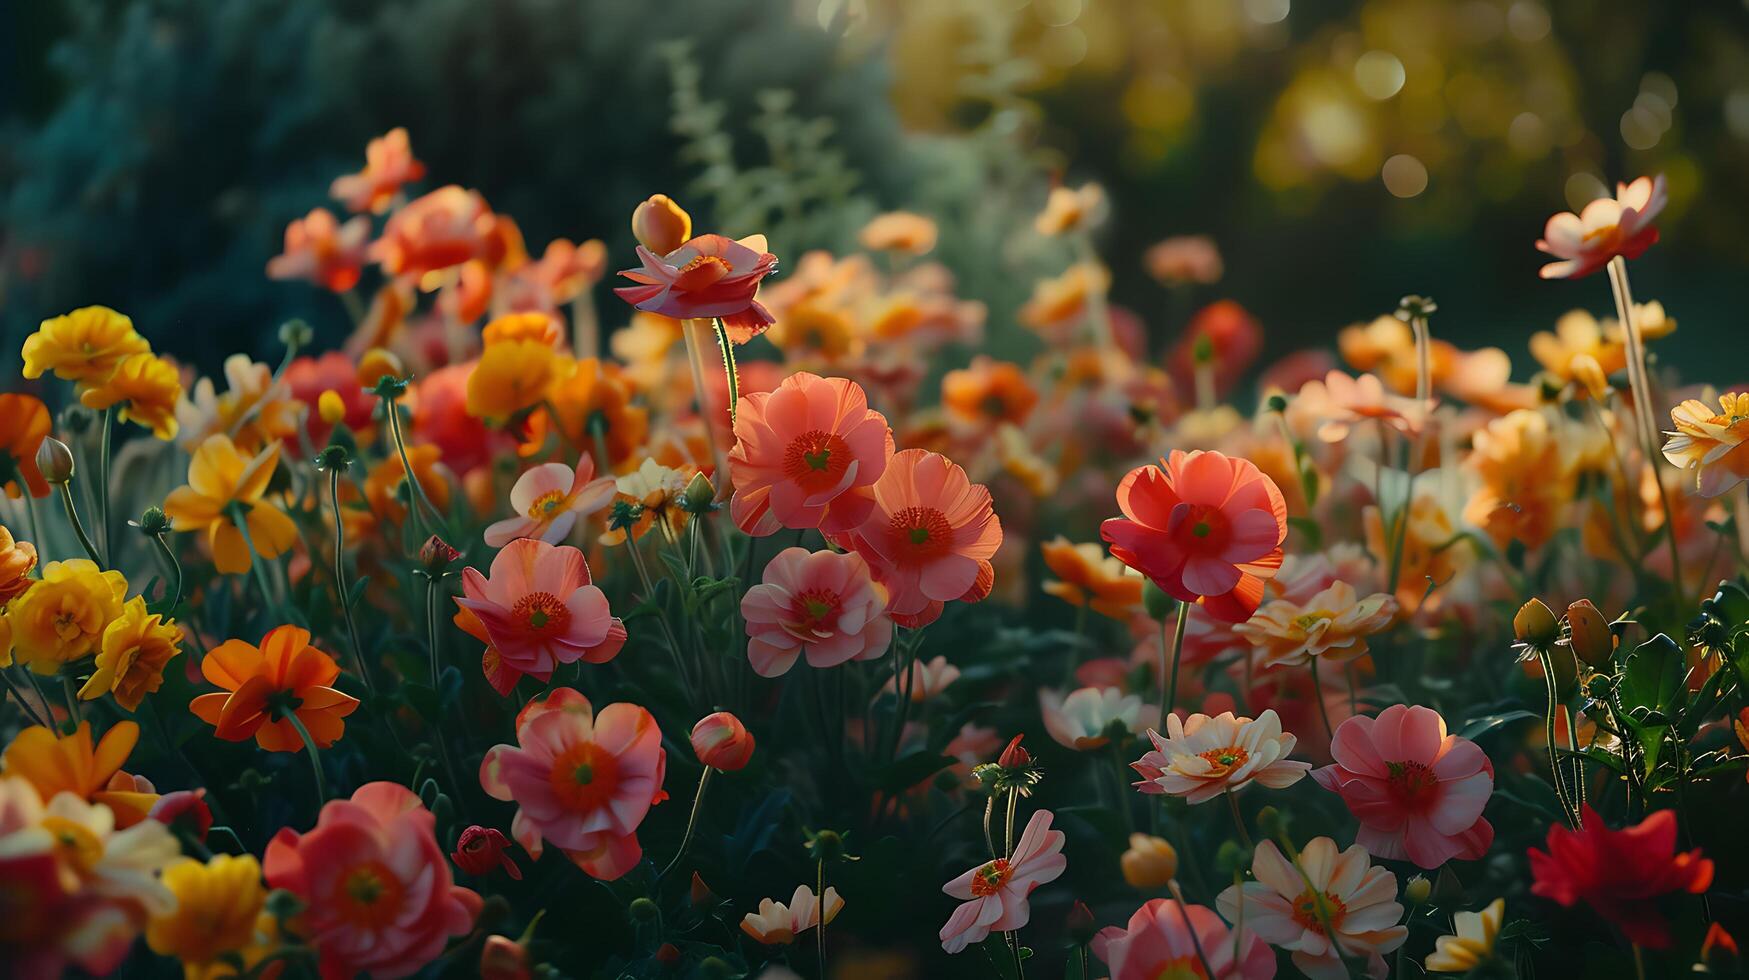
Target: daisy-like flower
(1606, 228)
(995, 893)
(1620, 874)
(223, 483)
(388, 165)
(322, 250)
(55, 764)
(266, 684)
(822, 604)
(805, 456)
(1332, 625)
(1165, 940)
(85, 345)
(582, 782)
(708, 276)
(988, 393)
(1709, 445)
(1202, 757)
(1417, 791)
(539, 608)
(1471, 942)
(1326, 905)
(146, 387)
(1085, 719)
(1352, 401)
(777, 924)
(1205, 527)
(549, 500)
(1087, 576)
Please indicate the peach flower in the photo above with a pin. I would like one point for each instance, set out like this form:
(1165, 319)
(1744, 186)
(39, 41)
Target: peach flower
(928, 679)
(1184, 259)
(320, 249)
(441, 230)
(550, 499)
(898, 231)
(994, 893)
(1087, 576)
(1291, 901)
(1347, 402)
(777, 924)
(1709, 444)
(539, 608)
(1332, 625)
(1165, 939)
(823, 604)
(1202, 757)
(1606, 228)
(805, 456)
(709, 276)
(1083, 719)
(388, 164)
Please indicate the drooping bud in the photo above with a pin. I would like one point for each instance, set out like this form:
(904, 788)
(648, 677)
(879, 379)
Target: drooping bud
(437, 555)
(1589, 634)
(1149, 863)
(722, 742)
(1535, 625)
(480, 849)
(55, 461)
(661, 225)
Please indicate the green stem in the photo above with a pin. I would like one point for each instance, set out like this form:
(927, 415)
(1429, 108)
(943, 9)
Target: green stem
(340, 582)
(72, 697)
(257, 564)
(78, 526)
(1641, 380)
(1318, 699)
(1239, 821)
(1169, 688)
(18, 696)
(820, 906)
(420, 500)
(175, 566)
(729, 371)
(315, 756)
(103, 484)
(691, 824)
(438, 734)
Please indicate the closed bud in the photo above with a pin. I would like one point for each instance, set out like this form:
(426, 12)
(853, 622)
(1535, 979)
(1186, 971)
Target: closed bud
(389, 387)
(153, 522)
(1589, 634)
(1149, 863)
(661, 225)
(643, 910)
(1081, 925)
(1156, 602)
(1014, 756)
(722, 742)
(503, 958)
(1535, 625)
(333, 457)
(1410, 307)
(700, 893)
(331, 407)
(699, 497)
(55, 461)
(436, 555)
(1417, 889)
(375, 363)
(1276, 403)
(826, 845)
(295, 334)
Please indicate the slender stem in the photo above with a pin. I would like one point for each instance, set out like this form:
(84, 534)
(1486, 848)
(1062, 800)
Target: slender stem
(340, 581)
(680, 668)
(315, 756)
(1169, 688)
(175, 566)
(108, 424)
(392, 410)
(691, 824)
(1640, 378)
(1424, 416)
(18, 696)
(1556, 770)
(1318, 698)
(1196, 943)
(1008, 849)
(1578, 768)
(695, 360)
(257, 564)
(72, 697)
(729, 371)
(820, 912)
(73, 519)
(438, 734)
(1639, 960)
(989, 812)
(1239, 821)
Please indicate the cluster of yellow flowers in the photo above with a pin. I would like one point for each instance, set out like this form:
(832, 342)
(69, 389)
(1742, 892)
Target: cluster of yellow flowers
(114, 367)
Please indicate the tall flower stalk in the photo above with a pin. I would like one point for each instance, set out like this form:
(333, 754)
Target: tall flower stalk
(1639, 378)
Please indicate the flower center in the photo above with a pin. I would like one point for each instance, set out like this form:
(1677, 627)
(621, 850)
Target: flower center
(816, 460)
(1312, 909)
(369, 895)
(1411, 783)
(817, 608)
(1222, 762)
(546, 505)
(702, 271)
(1200, 528)
(543, 612)
(1305, 621)
(990, 878)
(585, 777)
(924, 530)
(75, 846)
(1180, 968)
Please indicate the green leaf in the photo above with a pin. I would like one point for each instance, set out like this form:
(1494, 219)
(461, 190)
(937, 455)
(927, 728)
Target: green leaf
(1476, 727)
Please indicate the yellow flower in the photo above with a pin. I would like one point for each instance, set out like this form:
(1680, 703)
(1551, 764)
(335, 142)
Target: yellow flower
(510, 376)
(135, 649)
(5, 641)
(1709, 444)
(1473, 942)
(1149, 863)
(217, 907)
(221, 480)
(148, 389)
(62, 617)
(1071, 209)
(84, 345)
(256, 409)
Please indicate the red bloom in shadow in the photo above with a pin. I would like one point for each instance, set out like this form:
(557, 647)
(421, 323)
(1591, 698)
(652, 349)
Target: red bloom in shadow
(1620, 873)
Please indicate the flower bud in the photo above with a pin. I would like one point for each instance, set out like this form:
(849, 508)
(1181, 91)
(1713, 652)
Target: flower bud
(375, 363)
(333, 457)
(1412, 306)
(295, 334)
(436, 555)
(1081, 925)
(699, 497)
(55, 461)
(1535, 625)
(1588, 634)
(331, 407)
(824, 845)
(1417, 890)
(1156, 602)
(480, 849)
(1276, 403)
(503, 958)
(153, 522)
(722, 742)
(661, 225)
(1014, 756)
(185, 812)
(1719, 951)
(389, 387)
(643, 910)
(700, 893)
(1149, 863)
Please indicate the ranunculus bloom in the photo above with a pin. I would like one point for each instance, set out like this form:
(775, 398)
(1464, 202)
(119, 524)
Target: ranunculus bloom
(708, 277)
(217, 906)
(930, 536)
(1709, 444)
(1606, 228)
(722, 742)
(995, 893)
(379, 897)
(581, 781)
(1087, 576)
(61, 617)
(1332, 625)
(480, 849)
(1205, 527)
(1202, 757)
(821, 604)
(145, 388)
(549, 499)
(284, 669)
(777, 924)
(438, 231)
(1083, 719)
(805, 456)
(322, 250)
(1289, 905)
(1417, 791)
(1162, 941)
(84, 345)
(540, 609)
(1620, 873)
(130, 662)
(388, 164)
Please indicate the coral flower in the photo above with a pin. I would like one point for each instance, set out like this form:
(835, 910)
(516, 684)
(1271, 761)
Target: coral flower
(17, 561)
(591, 410)
(62, 617)
(1206, 528)
(1165, 940)
(1326, 905)
(709, 276)
(512, 376)
(1709, 444)
(1071, 209)
(378, 895)
(822, 604)
(581, 781)
(1332, 626)
(1184, 260)
(388, 165)
(1087, 576)
(1202, 757)
(722, 742)
(931, 535)
(84, 345)
(223, 483)
(1471, 942)
(540, 609)
(24, 424)
(995, 893)
(57, 764)
(135, 649)
(777, 924)
(988, 393)
(1225, 337)
(218, 905)
(321, 250)
(1084, 719)
(1620, 873)
(436, 232)
(311, 379)
(899, 231)
(550, 499)
(927, 679)
(1057, 306)
(1606, 228)
(146, 387)
(267, 685)
(1417, 791)
(805, 456)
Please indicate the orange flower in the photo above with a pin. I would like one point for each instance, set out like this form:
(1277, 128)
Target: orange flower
(441, 230)
(511, 376)
(562, 273)
(148, 389)
(535, 325)
(1708, 444)
(1071, 209)
(1527, 479)
(1087, 576)
(320, 249)
(988, 392)
(222, 481)
(69, 764)
(595, 400)
(24, 423)
(284, 677)
(17, 558)
(388, 164)
(1058, 305)
(255, 410)
(382, 487)
(1579, 346)
(899, 231)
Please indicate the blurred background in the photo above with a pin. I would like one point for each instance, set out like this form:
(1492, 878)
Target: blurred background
(1340, 153)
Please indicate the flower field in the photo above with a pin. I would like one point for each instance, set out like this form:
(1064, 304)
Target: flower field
(705, 610)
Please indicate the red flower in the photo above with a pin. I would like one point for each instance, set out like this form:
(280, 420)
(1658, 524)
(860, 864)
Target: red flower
(1224, 332)
(480, 849)
(184, 810)
(1620, 873)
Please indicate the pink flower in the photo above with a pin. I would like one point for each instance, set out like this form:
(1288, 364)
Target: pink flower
(320, 249)
(539, 609)
(480, 849)
(379, 893)
(1202, 757)
(388, 164)
(1417, 791)
(930, 536)
(1162, 941)
(1606, 228)
(823, 604)
(581, 782)
(722, 742)
(1290, 904)
(995, 893)
(549, 499)
(805, 456)
(709, 276)
(1207, 528)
